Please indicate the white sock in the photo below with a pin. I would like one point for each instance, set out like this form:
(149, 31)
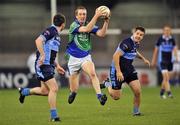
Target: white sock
(107, 84)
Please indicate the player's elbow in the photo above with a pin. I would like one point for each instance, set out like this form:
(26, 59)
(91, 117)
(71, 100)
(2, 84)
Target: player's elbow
(114, 56)
(37, 41)
(115, 97)
(101, 34)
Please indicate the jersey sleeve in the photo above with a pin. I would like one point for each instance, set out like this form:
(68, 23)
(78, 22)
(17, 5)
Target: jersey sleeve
(158, 42)
(48, 34)
(74, 28)
(123, 47)
(173, 42)
(95, 29)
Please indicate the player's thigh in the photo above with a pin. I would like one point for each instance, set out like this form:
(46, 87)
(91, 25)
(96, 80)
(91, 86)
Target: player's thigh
(88, 67)
(44, 87)
(135, 86)
(52, 84)
(165, 75)
(171, 74)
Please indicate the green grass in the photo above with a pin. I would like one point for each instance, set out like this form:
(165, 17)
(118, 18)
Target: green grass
(86, 109)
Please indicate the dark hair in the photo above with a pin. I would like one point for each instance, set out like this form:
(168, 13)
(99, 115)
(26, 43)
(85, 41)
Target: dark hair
(140, 28)
(78, 8)
(59, 19)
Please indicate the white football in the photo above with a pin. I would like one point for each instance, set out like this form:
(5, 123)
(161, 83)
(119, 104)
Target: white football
(106, 11)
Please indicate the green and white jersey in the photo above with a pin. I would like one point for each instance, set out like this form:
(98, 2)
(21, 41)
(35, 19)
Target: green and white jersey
(79, 44)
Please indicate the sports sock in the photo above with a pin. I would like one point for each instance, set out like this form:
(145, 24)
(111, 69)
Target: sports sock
(98, 96)
(135, 110)
(53, 113)
(169, 93)
(107, 84)
(25, 91)
(162, 92)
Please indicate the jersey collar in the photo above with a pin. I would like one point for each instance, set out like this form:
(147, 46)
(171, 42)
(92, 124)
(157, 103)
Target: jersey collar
(76, 20)
(134, 43)
(166, 37)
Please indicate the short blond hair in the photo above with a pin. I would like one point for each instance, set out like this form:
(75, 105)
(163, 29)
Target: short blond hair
(78, 8)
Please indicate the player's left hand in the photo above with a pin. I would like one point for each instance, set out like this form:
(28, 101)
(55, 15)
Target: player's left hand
(107, 18)
(147, 62)
(60, 69)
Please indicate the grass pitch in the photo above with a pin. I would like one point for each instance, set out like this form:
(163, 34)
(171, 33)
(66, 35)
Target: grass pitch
(86, 110)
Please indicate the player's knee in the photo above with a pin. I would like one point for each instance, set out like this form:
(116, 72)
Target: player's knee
(54, 89)
(115, 96)
(165, 80)
(137, 93)
(92, 75)
(45, 92)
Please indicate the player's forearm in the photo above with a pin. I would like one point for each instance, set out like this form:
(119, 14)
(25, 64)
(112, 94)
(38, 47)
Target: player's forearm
(103, 30)
(91, 24)
(116, 62)
(139, 55)
(39, 45)
(154, 58)
(56, 63)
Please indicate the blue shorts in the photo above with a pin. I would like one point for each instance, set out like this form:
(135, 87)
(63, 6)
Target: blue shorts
(45, 72)
(129, 75)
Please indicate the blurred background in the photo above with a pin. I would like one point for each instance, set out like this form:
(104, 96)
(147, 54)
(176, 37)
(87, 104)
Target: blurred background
(22, 21)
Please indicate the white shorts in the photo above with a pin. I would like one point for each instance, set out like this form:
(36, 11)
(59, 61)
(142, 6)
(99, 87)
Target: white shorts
(176, 67)
(75, 64)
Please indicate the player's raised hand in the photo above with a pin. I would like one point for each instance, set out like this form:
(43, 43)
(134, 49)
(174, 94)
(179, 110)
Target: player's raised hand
(105, 12)
(99, 12)
(106, 19)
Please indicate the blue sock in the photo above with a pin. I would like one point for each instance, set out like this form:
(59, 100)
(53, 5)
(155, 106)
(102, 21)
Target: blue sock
(136, 110)
(53, 113)
(98, 96)
(25, 91)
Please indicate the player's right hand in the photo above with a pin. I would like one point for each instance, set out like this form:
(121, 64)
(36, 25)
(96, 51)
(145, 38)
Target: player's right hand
(60, 69)
(99, 12)
(119, 76)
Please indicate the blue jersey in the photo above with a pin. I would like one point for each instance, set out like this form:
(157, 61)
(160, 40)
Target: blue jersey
(50, 45)
(165, 46)
(79, 44)
(128, 48)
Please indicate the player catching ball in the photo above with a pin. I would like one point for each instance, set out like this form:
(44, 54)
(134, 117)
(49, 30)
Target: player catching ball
(79, 50)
